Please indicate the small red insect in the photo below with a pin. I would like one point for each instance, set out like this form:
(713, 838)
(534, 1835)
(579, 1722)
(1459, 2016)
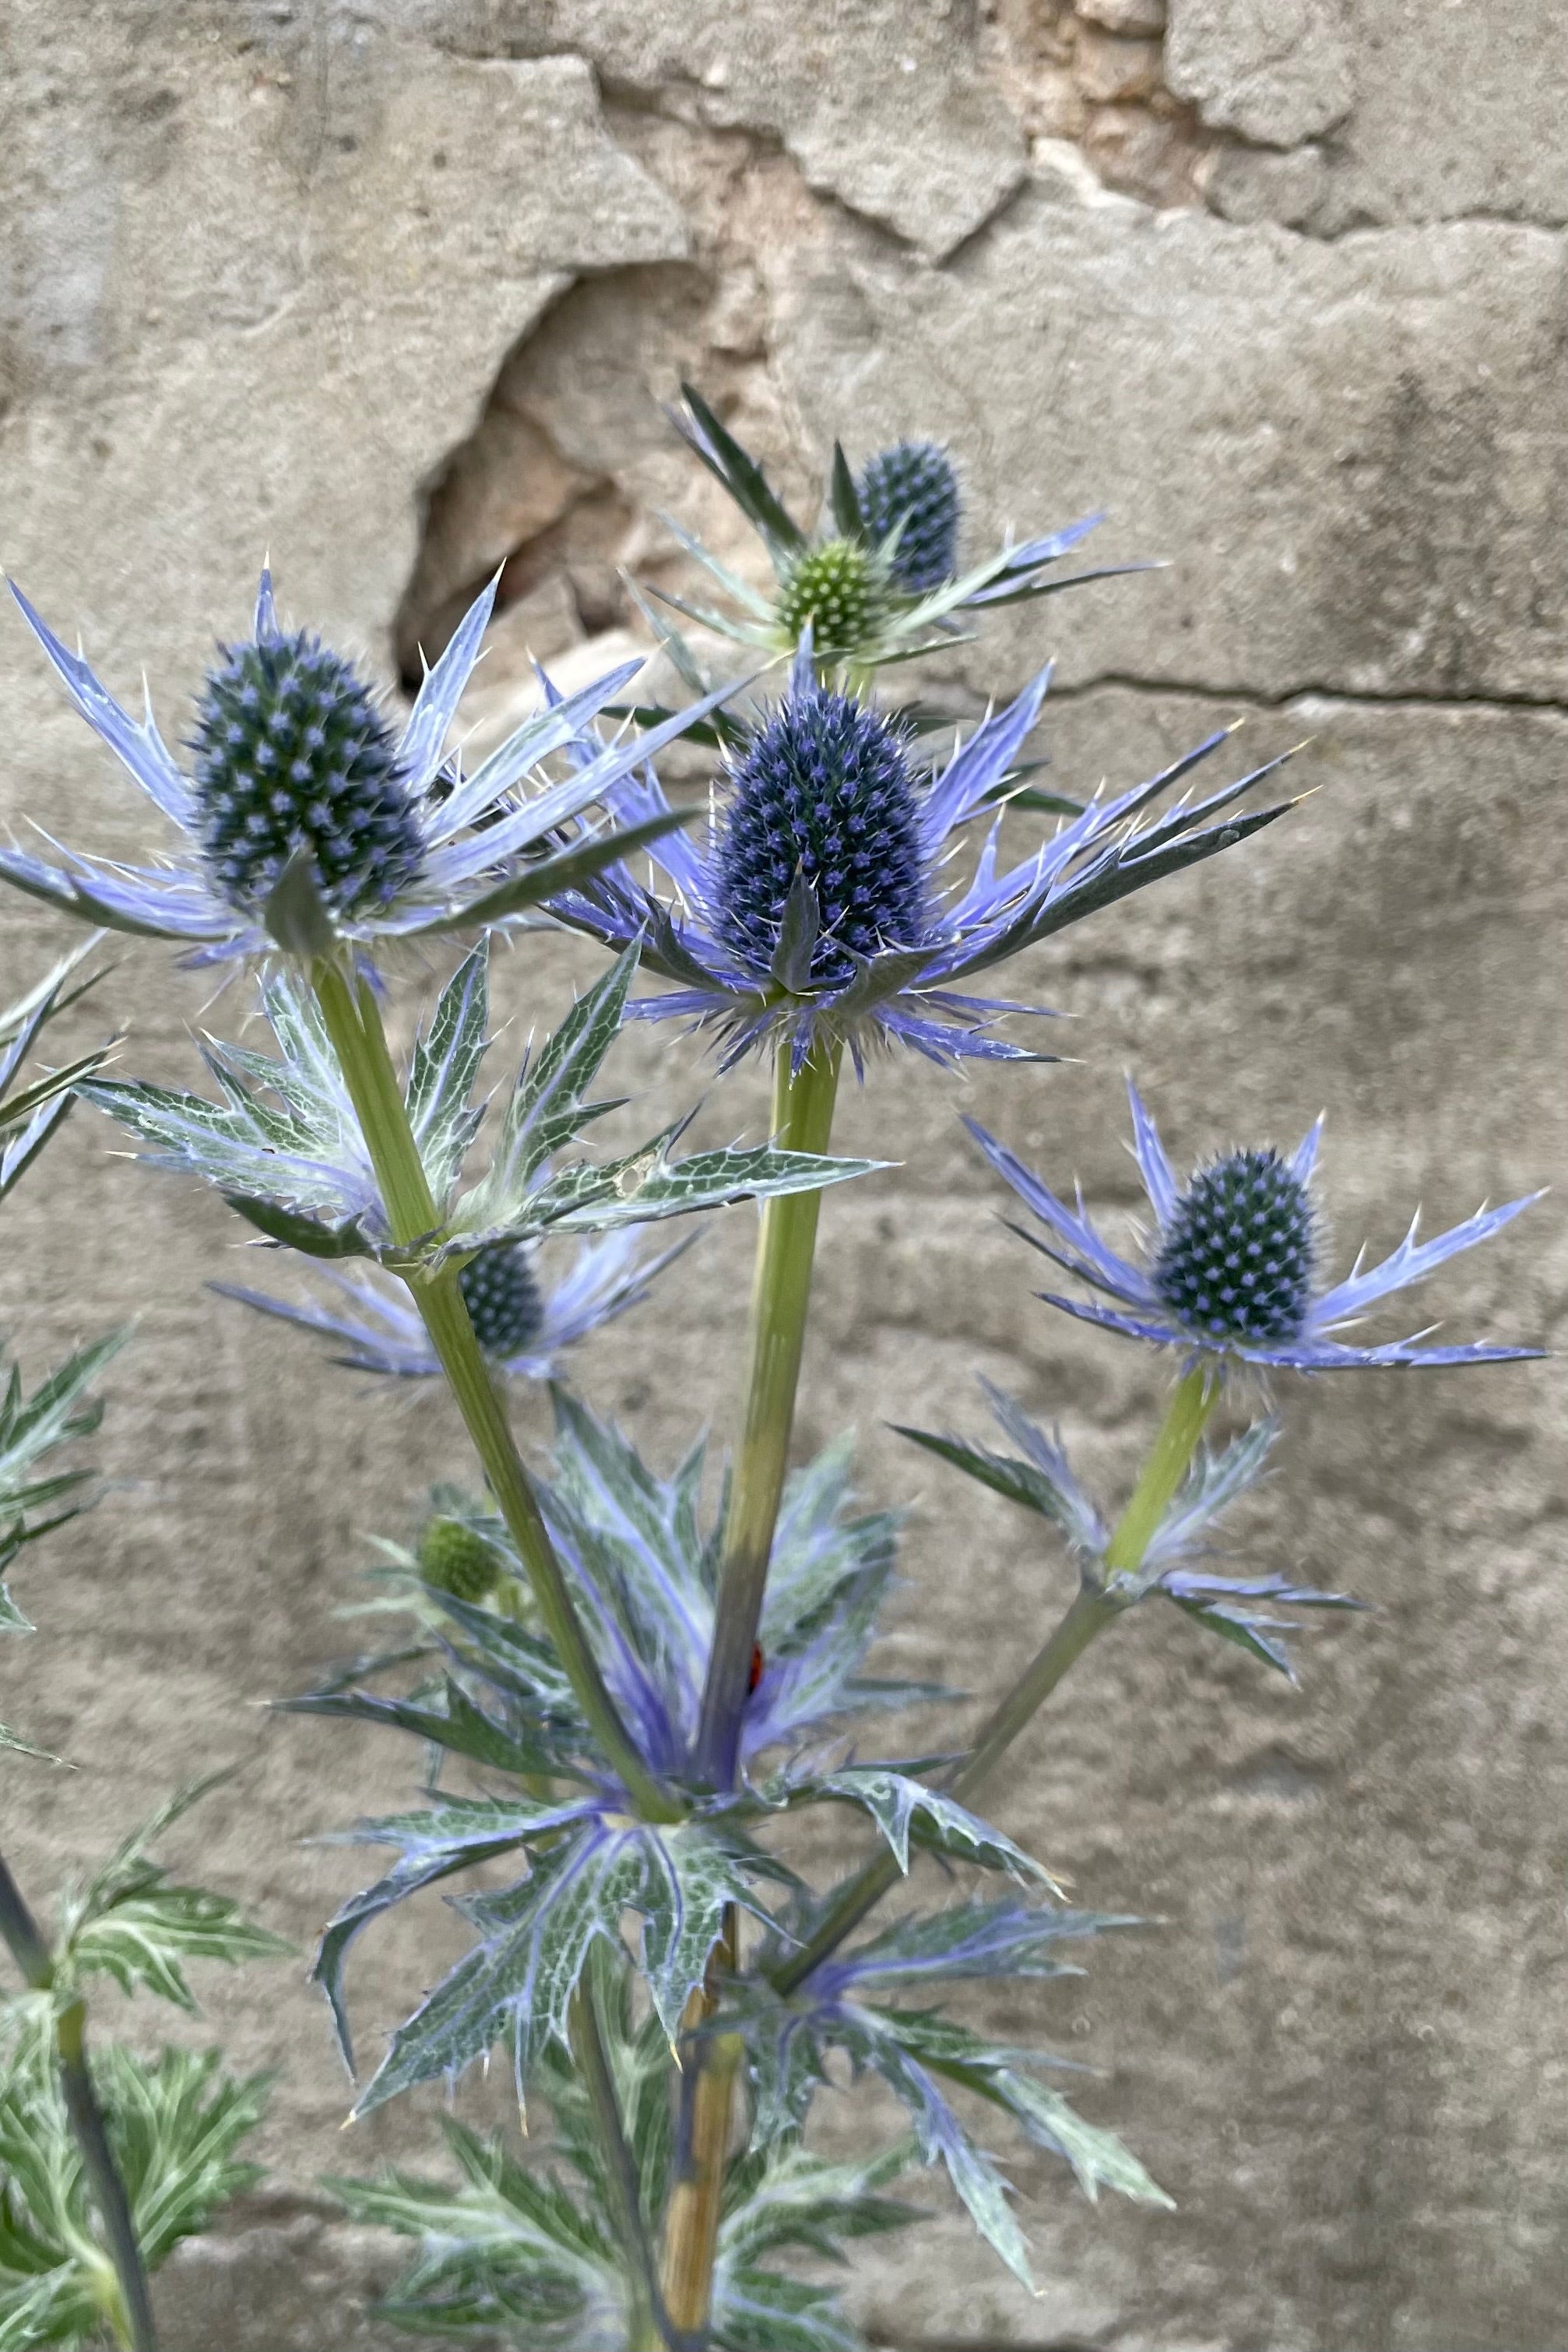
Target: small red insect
(758, 1664)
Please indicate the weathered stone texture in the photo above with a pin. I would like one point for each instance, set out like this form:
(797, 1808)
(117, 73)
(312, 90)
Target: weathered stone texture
(396, 291)
(1279, 75)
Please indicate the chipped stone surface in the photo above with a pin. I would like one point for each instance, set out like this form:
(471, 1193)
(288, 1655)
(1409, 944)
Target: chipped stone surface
(879, 101)
(242, 303)
(1279, 75)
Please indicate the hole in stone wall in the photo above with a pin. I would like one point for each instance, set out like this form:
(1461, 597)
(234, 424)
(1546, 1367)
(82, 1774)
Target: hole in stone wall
(558, 485)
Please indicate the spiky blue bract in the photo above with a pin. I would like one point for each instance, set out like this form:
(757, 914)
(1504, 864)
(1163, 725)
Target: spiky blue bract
(292, 755)
(766, 974)
(1236, 1260)
(504, 1301)
(1177, 1297)
(525, 1325)
(305, 819)
(913, 488)
(822, 791)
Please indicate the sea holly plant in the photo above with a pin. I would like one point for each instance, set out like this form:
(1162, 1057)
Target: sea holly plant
(623, 1680)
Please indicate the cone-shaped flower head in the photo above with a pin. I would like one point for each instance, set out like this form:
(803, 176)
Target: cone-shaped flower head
(1232, 1269)
(293, 755)
(307, 818)
(912, 490)
(456, 1558)
(525, 1325)
(822, 791)
(1235, 1259)
(824, 905)
(505, 1304)
(837, 591)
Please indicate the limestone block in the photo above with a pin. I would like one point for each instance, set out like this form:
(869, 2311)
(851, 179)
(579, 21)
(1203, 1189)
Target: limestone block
(879, 101)
(1350, 451)
(1246, 185)
(1457, 111)
(357, 248)
(1277, 74)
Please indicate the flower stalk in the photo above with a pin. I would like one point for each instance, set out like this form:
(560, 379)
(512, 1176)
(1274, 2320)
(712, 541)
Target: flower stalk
(354, 1025)
(781, 1299)
(1092, 1610)
(131, 2308)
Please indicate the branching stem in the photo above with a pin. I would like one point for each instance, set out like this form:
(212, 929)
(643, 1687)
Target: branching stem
(354, 1025)
(1092, 1610)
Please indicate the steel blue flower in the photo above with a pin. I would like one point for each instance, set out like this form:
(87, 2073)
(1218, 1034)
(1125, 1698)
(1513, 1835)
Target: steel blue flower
(305, 820)
(380, 1331)
(769, 973)
(1156, 1300)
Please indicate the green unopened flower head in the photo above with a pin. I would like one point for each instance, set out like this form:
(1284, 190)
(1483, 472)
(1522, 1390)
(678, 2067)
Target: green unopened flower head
(456, 1558)
(838, 590)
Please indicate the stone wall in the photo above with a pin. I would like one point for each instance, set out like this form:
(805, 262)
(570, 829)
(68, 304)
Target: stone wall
(392, 289)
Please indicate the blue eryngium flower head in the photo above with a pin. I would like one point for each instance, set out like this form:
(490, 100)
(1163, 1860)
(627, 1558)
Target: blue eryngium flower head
(877, 578)
(820, 907)
(910, 494)
(822, 791)
(1232, 1272)
(293, 756)
(523, 1325)
(307, 818)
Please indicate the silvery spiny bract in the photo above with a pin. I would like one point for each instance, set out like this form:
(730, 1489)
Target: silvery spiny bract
(1231, 1272)
(818, 905)
(1040, 1478)
(522, 1324)
(284, 1146)
(878, 580)
(305, 818)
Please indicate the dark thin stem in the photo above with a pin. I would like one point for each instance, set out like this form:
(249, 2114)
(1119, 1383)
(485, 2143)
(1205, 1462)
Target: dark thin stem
(21, 1934)
(646, 2328)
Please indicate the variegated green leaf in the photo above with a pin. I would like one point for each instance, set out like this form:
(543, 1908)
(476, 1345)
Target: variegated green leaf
(646, 1186)
(174, 2124)
(546, 1108)
(444, 1068)
(515, 1986)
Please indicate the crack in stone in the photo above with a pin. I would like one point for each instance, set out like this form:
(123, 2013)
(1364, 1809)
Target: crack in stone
(1257, 698)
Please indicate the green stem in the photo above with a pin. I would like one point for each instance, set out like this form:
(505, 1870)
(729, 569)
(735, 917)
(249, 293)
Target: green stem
(19, 1930)
(354, 1025)
(1187, 1416)
(1091, 1612)
(781, 1298)
(646, 2331)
